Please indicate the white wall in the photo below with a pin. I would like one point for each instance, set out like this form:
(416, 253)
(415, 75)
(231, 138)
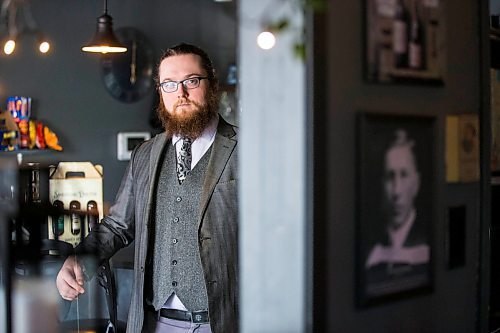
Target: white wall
(272, 165)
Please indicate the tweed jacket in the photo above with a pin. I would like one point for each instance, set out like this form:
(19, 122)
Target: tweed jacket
(129, 219)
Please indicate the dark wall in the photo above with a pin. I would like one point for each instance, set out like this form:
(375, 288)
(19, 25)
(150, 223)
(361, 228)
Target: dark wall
(66, 84)
(452, 304)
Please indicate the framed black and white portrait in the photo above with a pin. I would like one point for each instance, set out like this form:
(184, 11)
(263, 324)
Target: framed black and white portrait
(404, 41)
(396, 176)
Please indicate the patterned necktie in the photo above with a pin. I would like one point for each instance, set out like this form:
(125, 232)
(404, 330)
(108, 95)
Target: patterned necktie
(184, 159)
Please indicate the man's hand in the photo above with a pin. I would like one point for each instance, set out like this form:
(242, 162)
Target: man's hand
(70, 280)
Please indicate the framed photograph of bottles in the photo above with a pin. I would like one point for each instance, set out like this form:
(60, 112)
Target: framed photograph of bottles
(404, 41)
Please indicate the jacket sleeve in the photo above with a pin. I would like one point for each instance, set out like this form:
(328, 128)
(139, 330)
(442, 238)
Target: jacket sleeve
(115, 230)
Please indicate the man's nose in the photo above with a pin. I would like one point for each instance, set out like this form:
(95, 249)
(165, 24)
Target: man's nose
(398, 188)
(395, 189)
(182, 91)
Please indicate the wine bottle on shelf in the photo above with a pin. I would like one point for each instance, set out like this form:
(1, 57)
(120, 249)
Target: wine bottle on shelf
(92, 214)
(416, 45)
(400, 35)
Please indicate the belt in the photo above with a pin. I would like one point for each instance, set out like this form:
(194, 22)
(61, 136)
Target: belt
(197, 317)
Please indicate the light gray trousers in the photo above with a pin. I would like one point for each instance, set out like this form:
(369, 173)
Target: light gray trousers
(166, 325)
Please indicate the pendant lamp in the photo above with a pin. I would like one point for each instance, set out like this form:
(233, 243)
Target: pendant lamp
(16, 17)
(104, 40)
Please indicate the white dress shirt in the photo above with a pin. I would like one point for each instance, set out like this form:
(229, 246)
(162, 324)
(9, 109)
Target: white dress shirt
(396, 252)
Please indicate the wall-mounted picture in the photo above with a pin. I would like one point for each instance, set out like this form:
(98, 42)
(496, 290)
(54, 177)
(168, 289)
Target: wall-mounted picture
(396, 213)
(462, 148)
(404, 41)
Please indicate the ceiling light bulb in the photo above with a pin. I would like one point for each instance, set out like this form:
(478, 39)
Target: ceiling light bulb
(266, 40)
(44, 47)
(104, 49)
(9, 46)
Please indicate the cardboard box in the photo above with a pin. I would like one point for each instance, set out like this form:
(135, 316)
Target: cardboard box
(75, 188)
(9, 132)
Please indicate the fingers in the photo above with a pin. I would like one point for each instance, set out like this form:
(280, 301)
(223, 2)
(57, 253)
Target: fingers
(79, 277)
(67, 292)
(69, 280)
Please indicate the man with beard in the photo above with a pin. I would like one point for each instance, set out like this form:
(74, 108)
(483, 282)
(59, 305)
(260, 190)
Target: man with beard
(178, 201)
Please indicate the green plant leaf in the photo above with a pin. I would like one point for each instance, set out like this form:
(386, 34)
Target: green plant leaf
(279, 26)
(299, 50)
(315, 5)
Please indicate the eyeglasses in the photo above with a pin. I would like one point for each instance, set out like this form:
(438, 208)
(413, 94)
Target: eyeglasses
(190, 83)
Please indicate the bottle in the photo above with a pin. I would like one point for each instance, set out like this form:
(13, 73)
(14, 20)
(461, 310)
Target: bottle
(34, 184)
(416, 53)
(92, 215)
(76, 222)
(400, 35)
(33, 221)
(58, 220)
(384, 59)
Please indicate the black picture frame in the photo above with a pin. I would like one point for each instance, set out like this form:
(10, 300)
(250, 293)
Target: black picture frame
(396, 179)
(404, 41)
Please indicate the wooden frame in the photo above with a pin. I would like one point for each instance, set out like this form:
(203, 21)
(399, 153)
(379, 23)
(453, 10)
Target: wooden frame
(403, 41)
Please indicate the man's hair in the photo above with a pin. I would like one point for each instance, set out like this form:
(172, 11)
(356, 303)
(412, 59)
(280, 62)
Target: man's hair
(401, 139)
(206, 63)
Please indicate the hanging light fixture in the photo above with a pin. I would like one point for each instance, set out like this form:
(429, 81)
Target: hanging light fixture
(9, 46)
(43, 46)
(266, 40)
(104, 40)
(8, 19)
(16, 18)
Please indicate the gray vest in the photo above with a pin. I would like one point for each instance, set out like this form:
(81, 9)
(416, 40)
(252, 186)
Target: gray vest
(176, 264)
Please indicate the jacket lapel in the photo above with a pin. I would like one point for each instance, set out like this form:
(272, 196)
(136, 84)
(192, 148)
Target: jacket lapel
(154, 161)
(222, 149)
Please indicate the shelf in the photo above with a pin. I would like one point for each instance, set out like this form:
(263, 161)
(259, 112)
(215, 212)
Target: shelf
(29, 151)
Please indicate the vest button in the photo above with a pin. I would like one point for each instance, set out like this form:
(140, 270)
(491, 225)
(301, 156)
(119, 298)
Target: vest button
(178, 199)
(174, 283)
(174, 240)
(176, 219)
(174, 262)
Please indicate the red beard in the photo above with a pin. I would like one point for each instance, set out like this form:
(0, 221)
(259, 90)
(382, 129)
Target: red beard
(190, 124)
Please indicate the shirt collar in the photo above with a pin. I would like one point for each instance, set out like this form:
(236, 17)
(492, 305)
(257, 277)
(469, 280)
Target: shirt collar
(398, 236)
(207, 134)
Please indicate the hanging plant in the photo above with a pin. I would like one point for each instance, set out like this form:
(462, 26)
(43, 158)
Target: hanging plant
(283, 24)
